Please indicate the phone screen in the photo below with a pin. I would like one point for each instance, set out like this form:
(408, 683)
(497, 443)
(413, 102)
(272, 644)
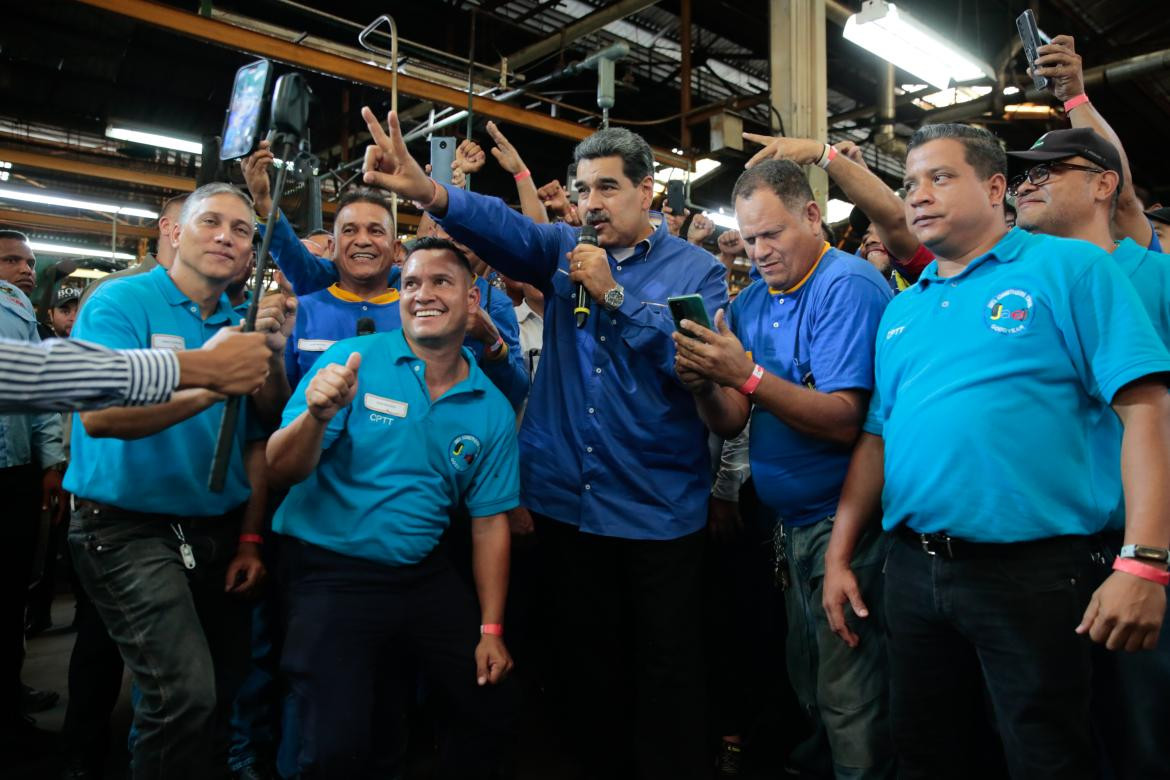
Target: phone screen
(442, 155)
(245, 121)
(676, 196)
(688, 307)
(1031, 38)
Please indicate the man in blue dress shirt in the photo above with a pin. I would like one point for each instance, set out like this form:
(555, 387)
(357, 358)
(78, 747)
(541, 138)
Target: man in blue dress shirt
(798, 356)
(615, 458)
(996, 376)
(1070, 190)
(382, 442)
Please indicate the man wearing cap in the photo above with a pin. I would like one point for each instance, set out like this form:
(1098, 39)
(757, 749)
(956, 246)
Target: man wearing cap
(996, 376)
(1059, 62)
(1071, 190)
(63, 311)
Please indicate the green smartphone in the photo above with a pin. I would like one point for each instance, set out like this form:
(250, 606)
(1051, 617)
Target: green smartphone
(688, 307)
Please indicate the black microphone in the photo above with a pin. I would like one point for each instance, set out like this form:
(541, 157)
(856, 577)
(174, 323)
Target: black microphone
(588, 236)
(366, 327)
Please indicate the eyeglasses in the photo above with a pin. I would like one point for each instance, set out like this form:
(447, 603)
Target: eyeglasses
(1038, 174)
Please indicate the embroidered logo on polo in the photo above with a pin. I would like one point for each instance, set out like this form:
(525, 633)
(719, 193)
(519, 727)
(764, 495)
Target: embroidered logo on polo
(1009, 312)
(463, 451)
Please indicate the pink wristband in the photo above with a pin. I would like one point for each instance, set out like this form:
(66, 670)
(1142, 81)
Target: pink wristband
(524, 174)
(1143, 570)
(434, 197)
(1072, 103)
(495, 629)
(753, 381)
(253, 538)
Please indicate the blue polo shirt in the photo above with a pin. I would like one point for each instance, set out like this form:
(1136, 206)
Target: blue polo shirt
(167, 472)
(331, 315)
(611, 439)
(1149, 272)
(394, 464)
(819, 334)
(992, 390)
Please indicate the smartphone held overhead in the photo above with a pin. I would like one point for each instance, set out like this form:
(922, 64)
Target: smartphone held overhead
(1032, 38)
(247, 117)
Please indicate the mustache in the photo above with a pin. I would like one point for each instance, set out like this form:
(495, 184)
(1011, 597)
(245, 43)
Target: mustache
(593, 217)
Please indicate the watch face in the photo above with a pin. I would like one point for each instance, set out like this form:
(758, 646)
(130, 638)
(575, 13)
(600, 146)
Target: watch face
(614, 298)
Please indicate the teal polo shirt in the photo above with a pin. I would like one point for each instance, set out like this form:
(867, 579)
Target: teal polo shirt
(394, 464)
(1149, 272)
(167, 472)
(820, 334)
(992, 391)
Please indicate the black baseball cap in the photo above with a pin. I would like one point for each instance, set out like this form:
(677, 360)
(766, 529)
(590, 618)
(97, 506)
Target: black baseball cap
(1074, 142)
(1160, 215)
(64, 295)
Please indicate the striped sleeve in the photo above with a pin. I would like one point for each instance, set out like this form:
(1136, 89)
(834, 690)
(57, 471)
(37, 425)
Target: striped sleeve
(67, 375)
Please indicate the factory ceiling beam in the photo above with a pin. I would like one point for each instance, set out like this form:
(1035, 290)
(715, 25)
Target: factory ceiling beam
(231, 36)
(94, 170)
(93, 227)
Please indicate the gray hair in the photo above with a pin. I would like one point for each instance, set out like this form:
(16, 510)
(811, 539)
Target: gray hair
(982, 150)
(637, 159)
(783, 177)
(195, 200)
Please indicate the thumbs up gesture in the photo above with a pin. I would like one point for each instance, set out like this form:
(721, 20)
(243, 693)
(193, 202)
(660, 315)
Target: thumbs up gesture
(333, 388)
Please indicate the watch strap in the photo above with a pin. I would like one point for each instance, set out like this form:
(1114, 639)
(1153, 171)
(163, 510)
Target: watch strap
(1144, 552)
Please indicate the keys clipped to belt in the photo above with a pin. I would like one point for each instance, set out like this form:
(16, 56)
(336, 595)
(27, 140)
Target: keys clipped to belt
(779, 557)
(184, 549)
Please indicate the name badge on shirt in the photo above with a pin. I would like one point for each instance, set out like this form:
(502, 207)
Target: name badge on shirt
(167, 341)
(314, 345)
(389, 406)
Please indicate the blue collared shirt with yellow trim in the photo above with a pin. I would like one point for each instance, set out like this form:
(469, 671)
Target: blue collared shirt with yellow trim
(331, 315)
(611, 440)
(993, 390)
(308, 274)
(395, 464)
(819, 334)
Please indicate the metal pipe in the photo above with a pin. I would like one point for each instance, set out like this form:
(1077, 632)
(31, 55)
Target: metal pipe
(837, 13)
(1110, 73)
(578, 29)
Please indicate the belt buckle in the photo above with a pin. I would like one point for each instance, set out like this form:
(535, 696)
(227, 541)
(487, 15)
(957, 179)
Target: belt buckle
(929, 541)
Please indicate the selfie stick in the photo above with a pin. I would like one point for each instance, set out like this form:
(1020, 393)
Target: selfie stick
(291, 97)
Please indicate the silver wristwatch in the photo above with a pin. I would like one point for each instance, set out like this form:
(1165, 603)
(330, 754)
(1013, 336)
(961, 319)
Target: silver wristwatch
(1143, 552)
(613, 299)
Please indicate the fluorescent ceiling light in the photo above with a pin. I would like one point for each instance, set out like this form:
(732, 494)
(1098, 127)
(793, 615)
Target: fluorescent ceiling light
(79, 251)
(951, 97)
(1011, 90)
(11, 193)
(1028, 110)
(703, 168)
(723, 220)
(837, 211)
(897, 37)
(154, 139)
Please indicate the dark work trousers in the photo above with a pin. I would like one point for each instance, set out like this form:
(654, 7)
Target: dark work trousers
(21, 488)
(1006, 612)
(1131, 705)
(354, 626)
(95, 680)
(630, 615)
(183, 638)
(44, 590)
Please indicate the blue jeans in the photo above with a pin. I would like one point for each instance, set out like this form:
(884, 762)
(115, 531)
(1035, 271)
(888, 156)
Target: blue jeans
(1000, 615)
(183, 638)
(844, 691)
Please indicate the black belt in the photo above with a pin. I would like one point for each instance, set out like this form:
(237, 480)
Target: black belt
(130, 514)
(947, 546)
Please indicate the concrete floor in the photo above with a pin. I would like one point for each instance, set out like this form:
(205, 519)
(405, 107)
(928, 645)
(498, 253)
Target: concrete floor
(46, 667)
